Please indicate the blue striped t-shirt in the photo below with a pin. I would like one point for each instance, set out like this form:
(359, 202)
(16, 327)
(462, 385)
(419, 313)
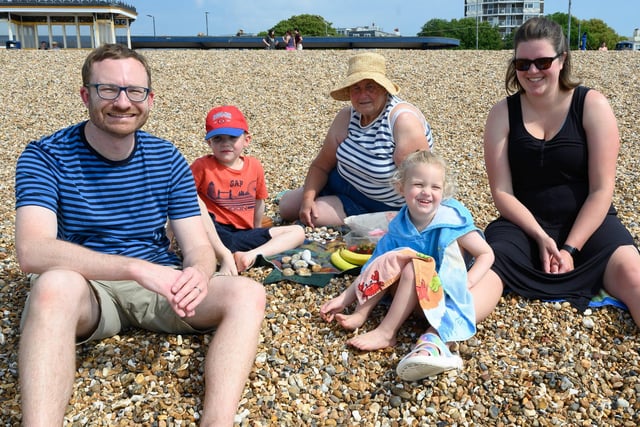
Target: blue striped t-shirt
(113, 207)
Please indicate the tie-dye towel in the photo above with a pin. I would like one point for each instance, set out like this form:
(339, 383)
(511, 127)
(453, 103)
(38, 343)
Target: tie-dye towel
(442, 300)
(603, 299)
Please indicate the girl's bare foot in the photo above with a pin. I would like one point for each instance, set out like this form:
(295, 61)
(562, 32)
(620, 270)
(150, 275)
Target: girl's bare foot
(244, 260)
(351, 321)
(372, 340)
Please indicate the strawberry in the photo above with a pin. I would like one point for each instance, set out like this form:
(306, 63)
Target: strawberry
(365, 248)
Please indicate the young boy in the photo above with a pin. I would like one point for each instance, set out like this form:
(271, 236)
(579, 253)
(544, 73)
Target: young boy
(233, 188)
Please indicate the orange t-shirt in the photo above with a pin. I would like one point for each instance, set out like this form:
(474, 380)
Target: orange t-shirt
(228, 193)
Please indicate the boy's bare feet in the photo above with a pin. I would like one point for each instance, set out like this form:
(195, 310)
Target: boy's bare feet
(244, 260)
(372, 340)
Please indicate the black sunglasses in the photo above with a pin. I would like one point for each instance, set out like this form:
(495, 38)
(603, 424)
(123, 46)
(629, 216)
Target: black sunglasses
(521, 64)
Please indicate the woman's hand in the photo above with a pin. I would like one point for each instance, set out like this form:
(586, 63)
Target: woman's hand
(307, 212)
(550, 256)
(563, 264)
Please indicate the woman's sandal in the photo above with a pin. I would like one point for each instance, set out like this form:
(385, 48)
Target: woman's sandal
(415, 366)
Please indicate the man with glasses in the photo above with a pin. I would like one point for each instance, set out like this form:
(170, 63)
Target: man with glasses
(92, 201)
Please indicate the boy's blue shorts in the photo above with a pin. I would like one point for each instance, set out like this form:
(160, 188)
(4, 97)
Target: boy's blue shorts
(241, 240)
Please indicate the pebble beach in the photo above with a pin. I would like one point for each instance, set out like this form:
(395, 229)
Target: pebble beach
(531, 363)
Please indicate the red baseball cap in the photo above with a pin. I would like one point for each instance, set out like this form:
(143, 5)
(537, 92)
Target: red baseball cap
(225, 120)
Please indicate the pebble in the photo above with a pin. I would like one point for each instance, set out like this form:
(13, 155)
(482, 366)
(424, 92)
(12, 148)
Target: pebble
(530, 363)
(588, 323)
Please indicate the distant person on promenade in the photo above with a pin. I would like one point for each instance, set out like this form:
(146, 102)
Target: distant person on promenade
(297, 37)
(550, 152)
(289, 41)
(583, 41)
(346, 177)
(233, 188)
(44, 45)
(270, 41)
(92, 201)
(603, 47)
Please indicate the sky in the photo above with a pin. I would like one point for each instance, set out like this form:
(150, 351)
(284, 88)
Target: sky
(188, 17)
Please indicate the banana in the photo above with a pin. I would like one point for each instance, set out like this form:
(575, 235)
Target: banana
(340, 262)
(354, 257)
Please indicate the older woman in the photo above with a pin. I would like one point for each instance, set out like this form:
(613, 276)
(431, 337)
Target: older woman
(366, 142)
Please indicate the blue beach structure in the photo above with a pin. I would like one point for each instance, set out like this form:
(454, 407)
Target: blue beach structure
(310, 42)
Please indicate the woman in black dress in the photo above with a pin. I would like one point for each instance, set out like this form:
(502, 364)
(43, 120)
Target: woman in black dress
(550, 153)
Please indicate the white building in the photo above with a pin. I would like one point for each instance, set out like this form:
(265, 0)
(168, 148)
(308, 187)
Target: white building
(367, 31)
(632, 44)
(505, 15)
(67, 23)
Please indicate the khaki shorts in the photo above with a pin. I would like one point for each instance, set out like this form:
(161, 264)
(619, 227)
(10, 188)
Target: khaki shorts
(125, 304)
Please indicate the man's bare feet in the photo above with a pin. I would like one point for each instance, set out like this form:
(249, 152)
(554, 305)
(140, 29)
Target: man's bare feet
(244, 260)
(372, 340)
(351, 321)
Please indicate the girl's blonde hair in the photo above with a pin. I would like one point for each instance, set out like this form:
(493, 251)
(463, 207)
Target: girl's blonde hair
(428, 158)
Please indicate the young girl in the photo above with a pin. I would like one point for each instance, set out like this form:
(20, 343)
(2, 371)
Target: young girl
(421, 260)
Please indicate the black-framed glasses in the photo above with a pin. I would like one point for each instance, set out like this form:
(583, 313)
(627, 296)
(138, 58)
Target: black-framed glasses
(522, 64)
(110, 92)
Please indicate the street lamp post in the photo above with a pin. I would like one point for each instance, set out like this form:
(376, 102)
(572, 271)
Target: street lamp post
(477, 24)
(154, 25)
(206, 19)
(569, 28)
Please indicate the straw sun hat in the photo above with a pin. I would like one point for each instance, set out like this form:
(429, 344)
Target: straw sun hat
(364, 66)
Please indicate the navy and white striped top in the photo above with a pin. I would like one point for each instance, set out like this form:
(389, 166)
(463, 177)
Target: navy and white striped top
(365, 157)
(114, 207)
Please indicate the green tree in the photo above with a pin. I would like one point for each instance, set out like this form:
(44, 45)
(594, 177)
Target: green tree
(597, 32)
(465, 31)
(563, 20)
(436, 28)
(507, 41)
(488, 36)
(309, 25)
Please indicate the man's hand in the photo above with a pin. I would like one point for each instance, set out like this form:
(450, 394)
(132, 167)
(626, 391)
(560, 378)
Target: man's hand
(189, 290)
(184, 289)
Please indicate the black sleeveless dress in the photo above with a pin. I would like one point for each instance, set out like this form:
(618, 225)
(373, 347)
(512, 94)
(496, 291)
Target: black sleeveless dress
(551, 179)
